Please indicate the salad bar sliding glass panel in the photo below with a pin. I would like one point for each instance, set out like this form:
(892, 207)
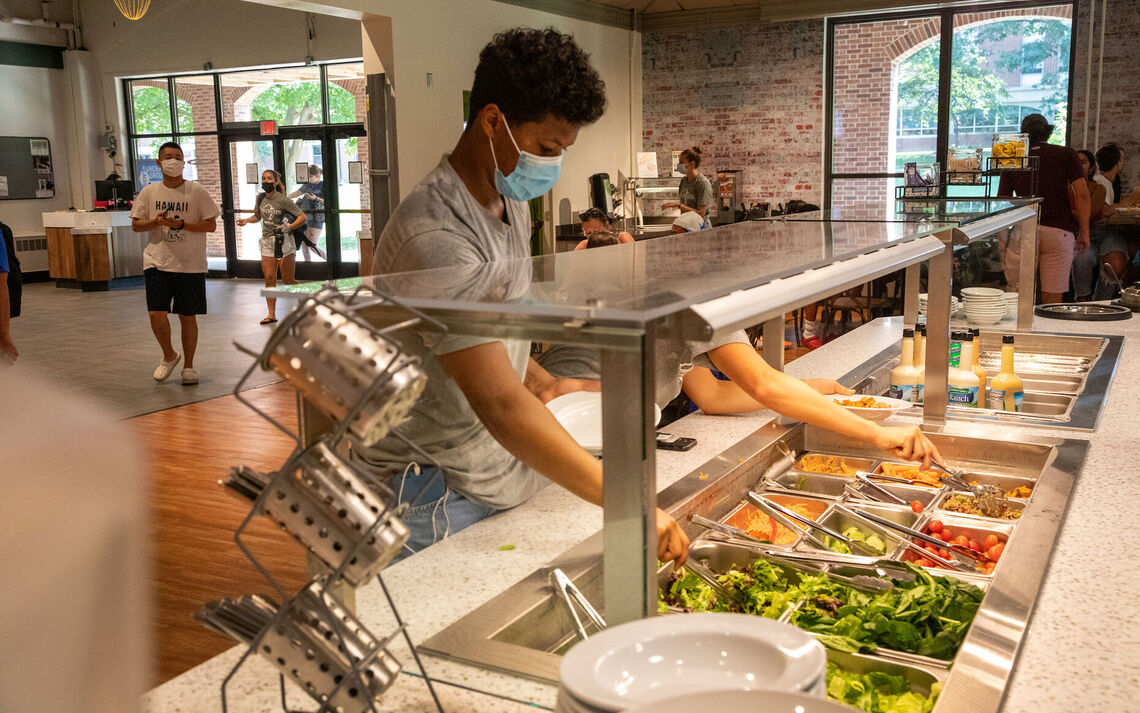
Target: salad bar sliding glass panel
(944, 608)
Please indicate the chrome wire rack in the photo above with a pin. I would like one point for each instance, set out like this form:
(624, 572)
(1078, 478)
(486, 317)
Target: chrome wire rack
(346, 518)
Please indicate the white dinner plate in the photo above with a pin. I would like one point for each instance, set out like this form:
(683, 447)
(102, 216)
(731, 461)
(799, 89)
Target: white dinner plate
(745, 702)
(874, 414)
(580, 413)
(659, 658)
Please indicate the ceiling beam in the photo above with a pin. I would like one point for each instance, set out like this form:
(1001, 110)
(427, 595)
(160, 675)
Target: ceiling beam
(581, 10)
(782, 10)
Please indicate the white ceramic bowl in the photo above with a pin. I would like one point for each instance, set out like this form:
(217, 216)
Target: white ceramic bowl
(580, 413)
(744, 702)
(874, 414)
(659, 658)
(985, 319)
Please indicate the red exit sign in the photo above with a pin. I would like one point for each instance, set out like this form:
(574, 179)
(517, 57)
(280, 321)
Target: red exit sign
(269, 128)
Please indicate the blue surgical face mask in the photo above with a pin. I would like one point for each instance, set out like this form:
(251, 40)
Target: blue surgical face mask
(682, 168)
(533, 175)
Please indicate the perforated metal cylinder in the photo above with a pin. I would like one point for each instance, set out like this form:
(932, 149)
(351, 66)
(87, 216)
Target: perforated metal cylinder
(334, 360)
(324, 503)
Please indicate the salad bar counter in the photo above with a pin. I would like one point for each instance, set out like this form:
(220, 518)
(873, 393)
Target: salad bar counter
(895, 570)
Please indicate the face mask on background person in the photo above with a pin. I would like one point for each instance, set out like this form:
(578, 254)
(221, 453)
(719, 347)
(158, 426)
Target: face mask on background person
(172, 167)
(533, 176)
(682, 167)
(268, 186)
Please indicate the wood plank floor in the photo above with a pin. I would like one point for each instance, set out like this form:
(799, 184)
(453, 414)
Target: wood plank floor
(195, 559)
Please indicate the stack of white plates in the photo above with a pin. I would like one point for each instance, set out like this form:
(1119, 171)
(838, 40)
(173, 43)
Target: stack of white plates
(984, 305)
(663, 657)
(580, 413)
(924, 297)
(1011, 304)
(744, 702)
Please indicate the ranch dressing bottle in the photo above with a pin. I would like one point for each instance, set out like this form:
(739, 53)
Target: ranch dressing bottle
(1006, 391)
(904, 377)
(962, 383)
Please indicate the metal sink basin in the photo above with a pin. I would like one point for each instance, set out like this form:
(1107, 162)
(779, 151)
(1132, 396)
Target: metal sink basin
(1066, 378)
(526, 629)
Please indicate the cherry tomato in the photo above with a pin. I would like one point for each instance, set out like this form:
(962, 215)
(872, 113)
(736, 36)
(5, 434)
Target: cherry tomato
(944, 554)
(995, 552)
(991, 540)
(973, 545)
(932, 548)
(916, 506)
(949, 533)
(934, 527)
(942, 536)
(924, 563)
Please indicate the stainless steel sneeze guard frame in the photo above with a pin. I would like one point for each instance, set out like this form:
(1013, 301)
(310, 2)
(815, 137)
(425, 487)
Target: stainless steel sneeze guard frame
(627, 297)
(524, 630)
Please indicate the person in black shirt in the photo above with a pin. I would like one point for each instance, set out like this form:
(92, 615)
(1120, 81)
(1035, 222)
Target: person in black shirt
(10, 283)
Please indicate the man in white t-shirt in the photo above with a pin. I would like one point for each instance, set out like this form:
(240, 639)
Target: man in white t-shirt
(176, 215)
(1110, 161)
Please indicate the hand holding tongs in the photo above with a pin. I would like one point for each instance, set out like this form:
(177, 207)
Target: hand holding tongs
(571, 595)
(955, 550)
(988, 497)
(787, 517)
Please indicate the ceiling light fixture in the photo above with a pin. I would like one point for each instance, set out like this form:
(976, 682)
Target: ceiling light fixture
(133, 9)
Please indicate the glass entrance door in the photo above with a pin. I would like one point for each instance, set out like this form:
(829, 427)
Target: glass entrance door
(304, 174)
(247, 159)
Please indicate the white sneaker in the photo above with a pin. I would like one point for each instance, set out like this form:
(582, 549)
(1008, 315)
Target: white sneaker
(189, 377)
(163, 371)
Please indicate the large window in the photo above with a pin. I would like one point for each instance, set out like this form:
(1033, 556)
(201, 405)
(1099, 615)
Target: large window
(905, 88)
(319, 111)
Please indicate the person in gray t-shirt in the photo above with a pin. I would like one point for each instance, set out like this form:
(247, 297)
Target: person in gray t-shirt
(695, 193)
(481, 417)
(279, 217)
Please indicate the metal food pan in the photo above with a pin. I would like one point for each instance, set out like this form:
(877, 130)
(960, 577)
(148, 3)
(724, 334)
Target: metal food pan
(1048, 383)
(1007, 483)
(864, 464)
(1039, 363)
(1035, 403)
(737, 517)
(838, 520)
(909, 493)
(879, 470)
(972, 527)
(1014, 505)
(920, 678)
(828, 486)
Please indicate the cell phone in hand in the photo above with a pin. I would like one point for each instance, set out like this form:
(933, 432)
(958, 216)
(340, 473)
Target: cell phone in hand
(670, 442)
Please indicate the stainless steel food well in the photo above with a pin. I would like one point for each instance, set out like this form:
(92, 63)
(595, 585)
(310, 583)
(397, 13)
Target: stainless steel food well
(525, 629)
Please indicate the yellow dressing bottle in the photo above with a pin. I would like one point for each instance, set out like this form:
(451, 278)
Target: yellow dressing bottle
(920, 362)
(1006, 390)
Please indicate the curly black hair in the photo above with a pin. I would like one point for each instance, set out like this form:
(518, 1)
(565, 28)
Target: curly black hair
(532, 74)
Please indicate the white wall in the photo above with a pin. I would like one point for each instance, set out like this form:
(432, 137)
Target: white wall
(34, 102)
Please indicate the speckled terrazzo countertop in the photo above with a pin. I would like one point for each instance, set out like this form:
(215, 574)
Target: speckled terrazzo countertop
(1082, 651)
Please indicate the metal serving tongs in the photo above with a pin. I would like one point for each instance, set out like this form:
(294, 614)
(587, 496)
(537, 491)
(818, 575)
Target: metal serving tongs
(788, 518)
(854, 563)
(572, 596)
(957, 552)
(734, 532)
(988, 497)
(875, 490)
(870, 582)
(709, 577)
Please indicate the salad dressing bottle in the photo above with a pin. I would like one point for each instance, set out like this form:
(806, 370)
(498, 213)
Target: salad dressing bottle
(904, 377)
(977, 338)
(961, 381)
(920, 362)
(1006, 391)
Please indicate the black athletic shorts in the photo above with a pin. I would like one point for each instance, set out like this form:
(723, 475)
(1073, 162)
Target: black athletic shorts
(186, 291)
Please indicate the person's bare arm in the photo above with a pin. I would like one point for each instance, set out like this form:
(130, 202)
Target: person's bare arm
(715, 396)
(7, 346)
(145, 225)
(789, 396)
(516, 418)
(1081, 192)
(547, 387)
(202, 226)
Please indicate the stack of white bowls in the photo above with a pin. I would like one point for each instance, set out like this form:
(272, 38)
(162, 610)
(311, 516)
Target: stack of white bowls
(983, 305)
(1011, 305)
(663, 657)
(924, 297)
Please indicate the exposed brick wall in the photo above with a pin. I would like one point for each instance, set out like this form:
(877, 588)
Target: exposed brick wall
(751, 97)
(1119, 113)
(752, 102)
